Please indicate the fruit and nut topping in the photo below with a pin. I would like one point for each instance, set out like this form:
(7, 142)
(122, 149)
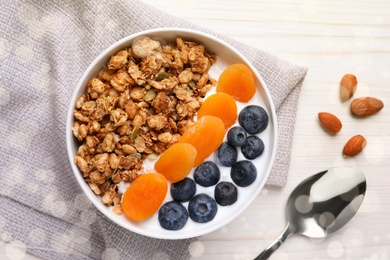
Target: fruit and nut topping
(225, 193)
(236, 136)
(202, 208)
(216, 116)
(142, 105)
(172, 215)
(227, 154)
(253, 119)
(137, 106)
(243, 173)
(253, 147)
(184, 190)
(207, 174)
(238, 81)
(137, 203)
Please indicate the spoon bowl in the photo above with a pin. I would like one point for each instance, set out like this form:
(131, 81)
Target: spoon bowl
(321, 205)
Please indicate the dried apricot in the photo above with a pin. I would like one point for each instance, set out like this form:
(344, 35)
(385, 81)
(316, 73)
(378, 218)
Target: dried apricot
(176, 162)
(206, 135)
(238, 81)
(144, 196)
(221, 105)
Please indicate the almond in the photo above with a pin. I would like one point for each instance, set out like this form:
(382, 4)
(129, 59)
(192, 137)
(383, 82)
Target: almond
(348, 86)
(330, 122)
(354, 145)
(366, 106)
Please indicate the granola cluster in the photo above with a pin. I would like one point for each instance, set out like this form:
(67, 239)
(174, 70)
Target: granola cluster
(137, 106)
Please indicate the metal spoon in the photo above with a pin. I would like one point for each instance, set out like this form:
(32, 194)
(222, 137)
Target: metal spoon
(321, 204)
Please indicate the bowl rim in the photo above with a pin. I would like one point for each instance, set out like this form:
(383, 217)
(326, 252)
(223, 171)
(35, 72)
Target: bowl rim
(104, 55)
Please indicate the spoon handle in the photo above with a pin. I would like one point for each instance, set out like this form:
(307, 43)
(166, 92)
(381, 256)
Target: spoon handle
(276, 244)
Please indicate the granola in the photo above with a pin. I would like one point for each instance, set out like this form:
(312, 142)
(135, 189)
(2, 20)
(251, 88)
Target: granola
(137, 106)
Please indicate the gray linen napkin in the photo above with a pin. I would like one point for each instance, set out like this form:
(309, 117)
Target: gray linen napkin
(44, 48)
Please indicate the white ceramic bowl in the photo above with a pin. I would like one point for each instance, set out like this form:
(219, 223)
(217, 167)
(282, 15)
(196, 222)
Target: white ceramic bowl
(226, 55)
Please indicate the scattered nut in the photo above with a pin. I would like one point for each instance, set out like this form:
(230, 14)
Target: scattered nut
(330, 122)
(366, 106)
(354, 146)
(348, 86)
(360, 107)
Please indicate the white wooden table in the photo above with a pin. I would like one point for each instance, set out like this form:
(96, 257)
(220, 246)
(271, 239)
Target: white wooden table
(331, 38)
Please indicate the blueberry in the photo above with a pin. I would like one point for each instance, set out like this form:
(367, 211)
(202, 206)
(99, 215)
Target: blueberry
(227, 154)
(243, 173)
(225, 193)
(184, 190)
(253, 147)
(253, 119)
(236, 136)
(202, 208)
(207, 174)
(172, 215)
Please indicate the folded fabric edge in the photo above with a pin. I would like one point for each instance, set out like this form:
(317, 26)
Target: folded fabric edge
(286, 125)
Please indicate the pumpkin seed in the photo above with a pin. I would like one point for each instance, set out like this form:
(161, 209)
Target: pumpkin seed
(153, 156)
(150, 95)
(192, 84)
(162, 75)
(134, 134)
(189, 92)
(136, 155)
(112, 173)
